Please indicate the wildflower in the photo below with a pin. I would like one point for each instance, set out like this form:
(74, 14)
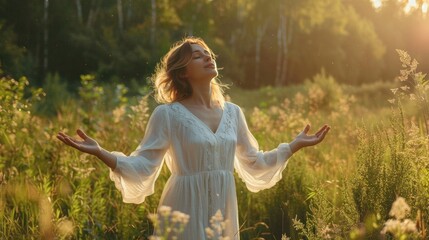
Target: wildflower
(154, 238)
(179, 217)
(392, 101)
(400, 209)
(218, 225)
(409, 226)
(209, 232)
(405, 88)
(118, 113)
(399, 226)
(299, 99)
(218, 216)
(284, 237)
(165, 211)
(153, 218)
(65, 227)
(168, 224)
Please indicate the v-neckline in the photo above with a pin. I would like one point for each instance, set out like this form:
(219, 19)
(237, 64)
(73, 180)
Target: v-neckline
(201, 121)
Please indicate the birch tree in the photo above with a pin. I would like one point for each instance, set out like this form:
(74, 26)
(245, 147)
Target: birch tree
(79, 11)
(45, 35)
(153, 23)
(120, 16)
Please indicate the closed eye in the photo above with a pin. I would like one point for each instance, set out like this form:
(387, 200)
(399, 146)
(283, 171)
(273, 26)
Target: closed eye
(199, 54)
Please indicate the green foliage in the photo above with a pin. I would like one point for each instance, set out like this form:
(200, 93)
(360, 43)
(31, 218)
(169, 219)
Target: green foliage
(125, 39)
(12, 56)
(324, 93)
(57, 95)
(343, 188)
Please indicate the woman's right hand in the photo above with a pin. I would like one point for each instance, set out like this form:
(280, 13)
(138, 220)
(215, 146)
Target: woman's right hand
(88, 145)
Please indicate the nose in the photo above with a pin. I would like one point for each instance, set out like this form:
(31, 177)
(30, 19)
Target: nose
(208, 57)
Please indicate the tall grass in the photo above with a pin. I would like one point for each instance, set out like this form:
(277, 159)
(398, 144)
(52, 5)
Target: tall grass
(343, 188)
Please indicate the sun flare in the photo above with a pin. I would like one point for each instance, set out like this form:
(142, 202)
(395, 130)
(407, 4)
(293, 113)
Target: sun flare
(425, 7)
(411, 4)
(376, 3)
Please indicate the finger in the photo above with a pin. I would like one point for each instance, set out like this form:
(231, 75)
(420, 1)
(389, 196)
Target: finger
(62, 134)
(71, 143)
(321, 130)
(74, 140)
(61, 138)
(322, 136)
(82, 134)
(307, 128)
(66, 136)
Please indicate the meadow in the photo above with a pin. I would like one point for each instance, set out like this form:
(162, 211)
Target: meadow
(375, 155)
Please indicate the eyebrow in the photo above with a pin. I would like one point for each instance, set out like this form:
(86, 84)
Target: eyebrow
(199, 51)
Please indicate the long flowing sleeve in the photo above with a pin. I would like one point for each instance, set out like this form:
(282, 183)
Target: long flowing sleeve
(135, 175)
(258, 169)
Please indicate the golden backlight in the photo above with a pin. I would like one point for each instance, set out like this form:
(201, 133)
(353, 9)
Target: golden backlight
(410, 5)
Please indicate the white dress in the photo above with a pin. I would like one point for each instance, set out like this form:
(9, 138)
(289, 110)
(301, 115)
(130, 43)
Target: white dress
(201, 163)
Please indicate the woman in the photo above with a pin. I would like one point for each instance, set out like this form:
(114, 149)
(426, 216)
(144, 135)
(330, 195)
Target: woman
(202, 139)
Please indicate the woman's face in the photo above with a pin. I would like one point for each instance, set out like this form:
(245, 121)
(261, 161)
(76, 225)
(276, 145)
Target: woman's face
(202, 66)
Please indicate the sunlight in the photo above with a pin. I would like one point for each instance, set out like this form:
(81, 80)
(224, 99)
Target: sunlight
(376, 3)
(410, 5)
(425, 7)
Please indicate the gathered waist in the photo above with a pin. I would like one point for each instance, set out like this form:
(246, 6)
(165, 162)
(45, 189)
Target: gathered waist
(200, 173)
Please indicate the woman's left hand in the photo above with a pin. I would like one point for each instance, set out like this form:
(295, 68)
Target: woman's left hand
(304, 140)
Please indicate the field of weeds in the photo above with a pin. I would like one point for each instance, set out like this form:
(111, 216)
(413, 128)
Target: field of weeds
(369, 179)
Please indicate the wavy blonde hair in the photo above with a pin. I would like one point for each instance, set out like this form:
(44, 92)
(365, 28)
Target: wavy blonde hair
(168, 82)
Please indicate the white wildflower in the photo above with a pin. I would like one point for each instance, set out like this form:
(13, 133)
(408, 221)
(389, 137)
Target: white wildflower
(284, 237)
(153, 218)
(218, 225)
(405, 88)
(165, 211)
(210, 232)
(399, 226)
(218, 216)
(400, 209)
(409, 226)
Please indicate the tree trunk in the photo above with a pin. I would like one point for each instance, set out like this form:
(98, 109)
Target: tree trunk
(153, 24)
(120, 16)
(129, 10)
(194, 18)
(286, 41)
(259, 35)
(93, 12)
(279, 50)
(79, 11)
(45, 36)
(285, 48)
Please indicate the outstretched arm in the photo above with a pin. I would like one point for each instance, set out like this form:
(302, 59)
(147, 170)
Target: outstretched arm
(304, 140)
(90, 146)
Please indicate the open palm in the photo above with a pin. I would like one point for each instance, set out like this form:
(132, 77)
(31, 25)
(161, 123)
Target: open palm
(305, 140)
(88, 145)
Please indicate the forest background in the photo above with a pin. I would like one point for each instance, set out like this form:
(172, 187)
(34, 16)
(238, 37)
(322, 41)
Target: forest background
(86, 63)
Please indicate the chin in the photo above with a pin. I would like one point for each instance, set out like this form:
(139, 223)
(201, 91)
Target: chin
(215, 73)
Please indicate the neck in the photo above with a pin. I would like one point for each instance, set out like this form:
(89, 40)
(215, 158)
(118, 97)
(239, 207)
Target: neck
(201, 95)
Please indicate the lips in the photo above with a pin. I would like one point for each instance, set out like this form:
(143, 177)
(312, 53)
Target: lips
(210, 65)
